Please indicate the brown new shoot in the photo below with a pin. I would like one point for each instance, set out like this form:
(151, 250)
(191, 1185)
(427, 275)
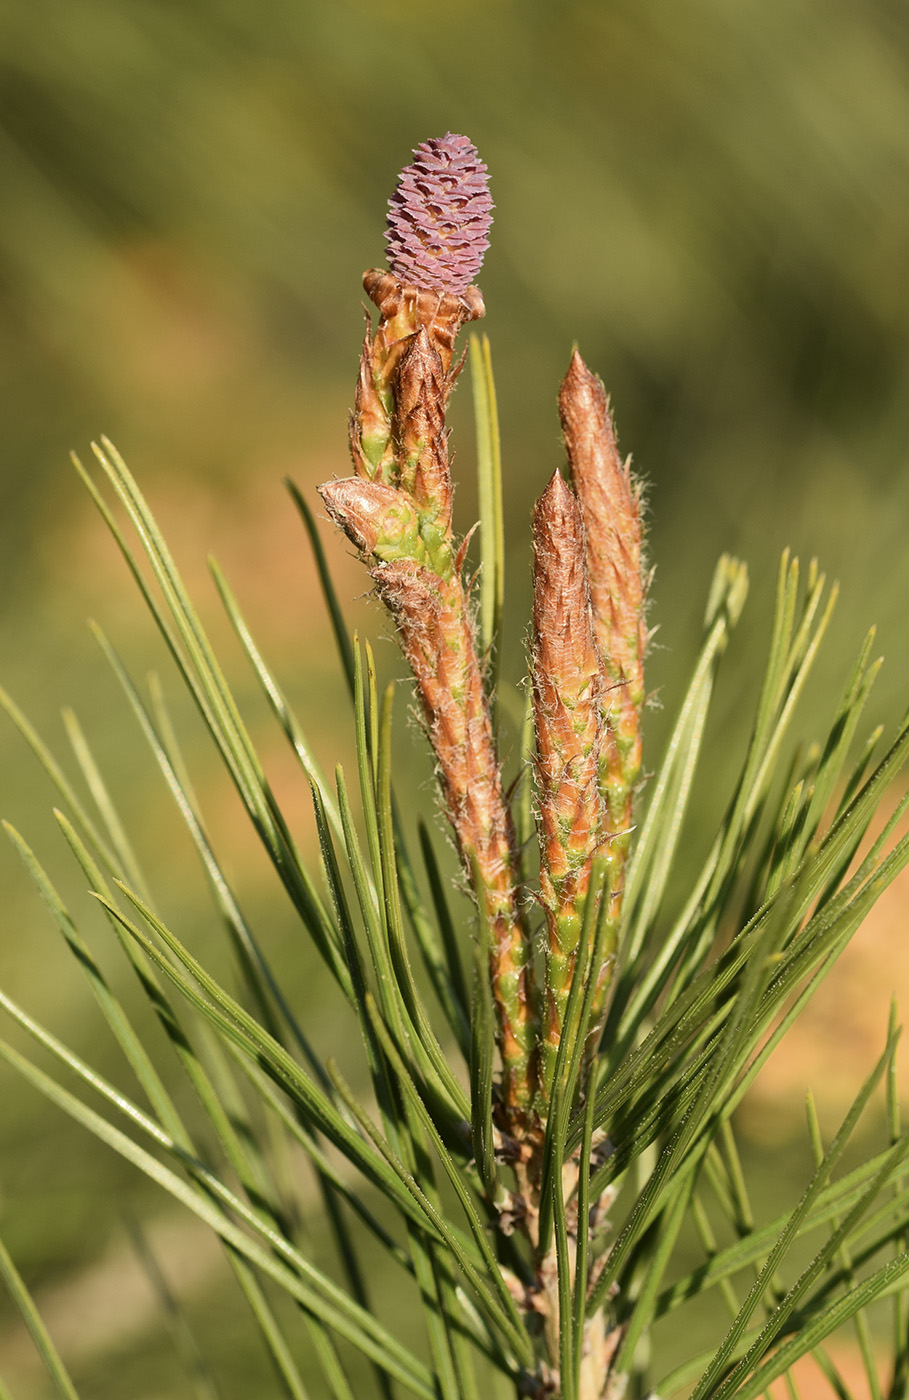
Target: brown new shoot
(397, 511)
(610, 503)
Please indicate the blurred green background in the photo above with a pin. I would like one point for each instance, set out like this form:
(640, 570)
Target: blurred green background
(712, 199)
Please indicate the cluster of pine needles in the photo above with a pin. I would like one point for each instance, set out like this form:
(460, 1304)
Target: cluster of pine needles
(552, 1054)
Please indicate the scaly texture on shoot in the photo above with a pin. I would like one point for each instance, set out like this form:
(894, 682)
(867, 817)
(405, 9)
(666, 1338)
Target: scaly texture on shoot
(568, 697)
(397, 511)
(610, 503)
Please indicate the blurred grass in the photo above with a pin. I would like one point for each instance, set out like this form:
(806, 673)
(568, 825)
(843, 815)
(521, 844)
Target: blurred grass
(713, 200)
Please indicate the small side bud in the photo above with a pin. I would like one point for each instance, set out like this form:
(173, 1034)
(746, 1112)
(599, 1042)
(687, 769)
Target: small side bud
(370, 423)
(377, 519)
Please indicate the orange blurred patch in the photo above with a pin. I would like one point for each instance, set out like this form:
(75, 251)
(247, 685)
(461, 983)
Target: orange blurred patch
(842, 1031)
(256, 535)
(812, 1384)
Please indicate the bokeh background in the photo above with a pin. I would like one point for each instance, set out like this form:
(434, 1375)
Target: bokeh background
(711, 199)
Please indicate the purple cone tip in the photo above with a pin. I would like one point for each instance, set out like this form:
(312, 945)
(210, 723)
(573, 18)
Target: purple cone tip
(439, 217)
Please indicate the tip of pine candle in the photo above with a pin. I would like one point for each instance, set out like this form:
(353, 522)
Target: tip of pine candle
(584, 410)
(558, 493)
(580, 382)
(557, 518)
